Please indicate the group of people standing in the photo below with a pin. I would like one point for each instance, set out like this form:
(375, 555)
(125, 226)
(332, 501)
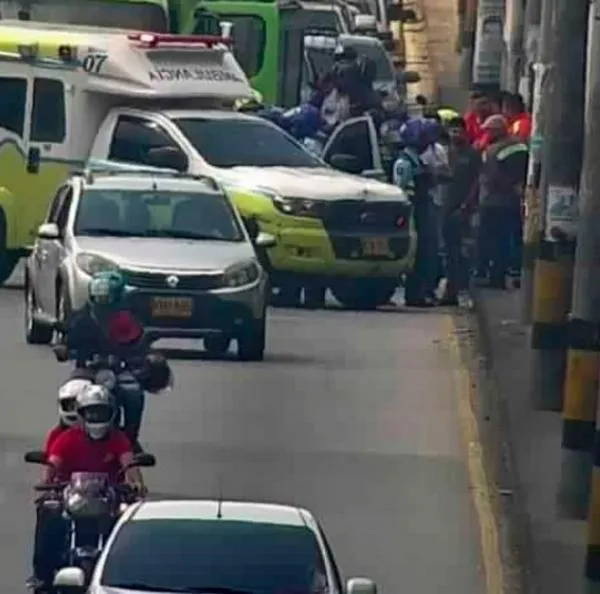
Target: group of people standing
(465, 176)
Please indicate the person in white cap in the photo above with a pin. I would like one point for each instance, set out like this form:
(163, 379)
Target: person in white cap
(500, 200)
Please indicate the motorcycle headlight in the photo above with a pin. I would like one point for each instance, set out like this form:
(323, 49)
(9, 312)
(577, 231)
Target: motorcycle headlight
(241, 274)
(93, 263)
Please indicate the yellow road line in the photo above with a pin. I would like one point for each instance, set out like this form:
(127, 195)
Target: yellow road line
(479, 480)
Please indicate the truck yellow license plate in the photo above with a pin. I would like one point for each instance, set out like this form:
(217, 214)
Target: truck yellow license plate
(172, 307)
(375, 247)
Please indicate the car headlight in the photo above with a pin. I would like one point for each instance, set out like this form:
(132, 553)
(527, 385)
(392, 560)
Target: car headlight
(92, 263)
(241, 274)
(297, 207)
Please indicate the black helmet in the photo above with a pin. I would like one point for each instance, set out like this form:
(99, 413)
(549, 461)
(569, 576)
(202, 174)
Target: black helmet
(157, 374)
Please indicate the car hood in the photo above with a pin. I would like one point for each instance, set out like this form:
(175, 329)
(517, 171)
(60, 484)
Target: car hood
(172, 255)
(315, 183)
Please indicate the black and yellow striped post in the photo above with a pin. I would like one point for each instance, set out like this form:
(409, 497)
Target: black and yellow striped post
(553, 277)
(579, 422)
(592, 556)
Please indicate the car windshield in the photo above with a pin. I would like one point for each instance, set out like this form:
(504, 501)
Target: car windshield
(215, 556)
(322, 59)
(141, 16)
(142, 213)
(241, 142)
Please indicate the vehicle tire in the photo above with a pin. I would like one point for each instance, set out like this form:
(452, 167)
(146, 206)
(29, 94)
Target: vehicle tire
(217, 346)
(35, 333)
(8, 259)
(252, 343)
(364, 294)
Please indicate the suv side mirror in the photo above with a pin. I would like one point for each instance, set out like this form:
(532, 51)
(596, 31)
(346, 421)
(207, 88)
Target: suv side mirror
(265, 240)
(48, 231)
(168, 157)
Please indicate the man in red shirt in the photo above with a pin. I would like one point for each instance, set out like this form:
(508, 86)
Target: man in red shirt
(482, 106)
(94, 445)
(519, 121)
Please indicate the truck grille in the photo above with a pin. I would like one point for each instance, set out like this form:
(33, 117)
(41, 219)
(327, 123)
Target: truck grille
(185, 282)
(358, 216)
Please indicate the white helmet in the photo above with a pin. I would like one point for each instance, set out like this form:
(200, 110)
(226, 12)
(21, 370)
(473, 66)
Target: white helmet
(67, 400)
(97, 411)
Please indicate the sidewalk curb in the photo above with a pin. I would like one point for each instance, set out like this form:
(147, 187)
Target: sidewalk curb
(514, 527)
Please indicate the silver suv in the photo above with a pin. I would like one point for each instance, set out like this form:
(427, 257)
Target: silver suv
(190, 263)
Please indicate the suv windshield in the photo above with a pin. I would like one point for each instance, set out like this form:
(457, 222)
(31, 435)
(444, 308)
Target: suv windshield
(140, 16)
(141, 213)
(241, 142)
(215, 556)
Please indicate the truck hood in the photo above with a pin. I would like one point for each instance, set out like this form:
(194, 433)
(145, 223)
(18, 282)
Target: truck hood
(168, 255)
(312, 183)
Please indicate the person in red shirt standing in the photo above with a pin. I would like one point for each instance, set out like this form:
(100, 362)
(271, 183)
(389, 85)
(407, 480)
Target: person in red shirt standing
(482, 106)
(519, 121)
(92, 445)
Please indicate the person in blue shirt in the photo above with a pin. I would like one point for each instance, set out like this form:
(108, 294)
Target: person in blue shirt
(411, 175)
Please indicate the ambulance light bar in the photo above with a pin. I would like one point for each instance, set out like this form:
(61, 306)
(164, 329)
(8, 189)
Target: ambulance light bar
(158, 39)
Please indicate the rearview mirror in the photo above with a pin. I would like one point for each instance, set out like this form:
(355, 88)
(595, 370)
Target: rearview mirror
(35, 457)
(48, 231)
(265, 240)
(168, 157)
(361, 586)
(144, 460)
(69, 577)
(346, 163)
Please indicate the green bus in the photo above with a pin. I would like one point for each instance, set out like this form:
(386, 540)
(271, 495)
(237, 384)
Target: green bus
(268, 37)
(145, 15)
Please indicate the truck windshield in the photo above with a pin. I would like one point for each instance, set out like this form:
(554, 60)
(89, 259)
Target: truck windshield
(237, 142)
(321, 59)
(141, 16)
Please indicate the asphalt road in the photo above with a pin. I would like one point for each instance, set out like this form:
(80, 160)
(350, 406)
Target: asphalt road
(352, 415)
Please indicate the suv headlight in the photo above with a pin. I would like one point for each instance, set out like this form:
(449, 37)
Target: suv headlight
(92, 263)
(241, 274)
(297, 207)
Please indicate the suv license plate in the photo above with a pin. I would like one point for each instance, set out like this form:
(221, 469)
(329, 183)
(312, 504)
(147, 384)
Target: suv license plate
(375, 248)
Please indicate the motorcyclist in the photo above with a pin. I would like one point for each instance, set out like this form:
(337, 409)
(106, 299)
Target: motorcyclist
(92, 444)
(67, 417)
(94, 330)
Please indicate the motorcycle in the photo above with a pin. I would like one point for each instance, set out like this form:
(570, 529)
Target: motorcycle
(124, 374)
(90, 504)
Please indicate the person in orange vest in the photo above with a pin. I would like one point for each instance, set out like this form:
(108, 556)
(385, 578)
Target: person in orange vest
(519, 121)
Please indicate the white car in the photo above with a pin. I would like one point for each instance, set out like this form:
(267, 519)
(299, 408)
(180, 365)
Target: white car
(215, 547)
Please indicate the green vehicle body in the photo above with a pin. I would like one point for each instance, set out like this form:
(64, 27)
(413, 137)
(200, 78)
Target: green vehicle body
(268, 37)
